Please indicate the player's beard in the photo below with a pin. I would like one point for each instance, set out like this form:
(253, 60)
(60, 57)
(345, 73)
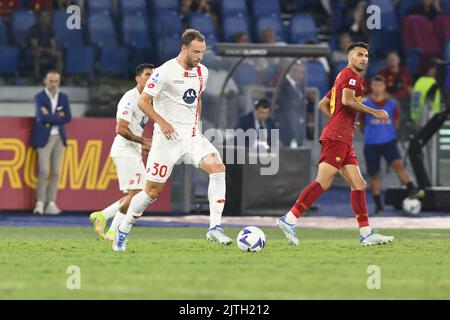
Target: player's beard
(190, 63)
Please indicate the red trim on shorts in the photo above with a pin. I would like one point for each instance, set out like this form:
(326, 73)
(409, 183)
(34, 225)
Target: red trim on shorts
(200, 77)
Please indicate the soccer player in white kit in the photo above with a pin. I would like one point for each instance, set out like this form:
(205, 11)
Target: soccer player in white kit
(172, 99)
(126, 152)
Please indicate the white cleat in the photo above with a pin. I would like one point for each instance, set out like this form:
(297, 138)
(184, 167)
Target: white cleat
(217, 234)
(289, 230)
(52, 209)
(374, 239)
(120, 241)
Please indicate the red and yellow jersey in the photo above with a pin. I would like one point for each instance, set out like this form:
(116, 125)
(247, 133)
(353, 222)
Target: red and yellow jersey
(341, 124)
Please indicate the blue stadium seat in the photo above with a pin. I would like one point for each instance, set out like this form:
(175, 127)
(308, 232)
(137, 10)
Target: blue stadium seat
(270, 22)
(21, 23)
(202, 22)
(168, 47)
(245, 75)
(445, 6)
(157, 6)
(3, 36)
(135, 31)
(447, 51)
(135, 6)
(112, 61)
(167, 23)
(302, 28)
(316, 76)
(96, 6)
(64, 37)
(265, 8)
(233, 8)
(232, 25)
(101, 30)
(375, 65)
(404, 6)
(79, 61)
(9, 60)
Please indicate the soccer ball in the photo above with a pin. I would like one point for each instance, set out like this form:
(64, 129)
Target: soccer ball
(412, 206)
(251, 239)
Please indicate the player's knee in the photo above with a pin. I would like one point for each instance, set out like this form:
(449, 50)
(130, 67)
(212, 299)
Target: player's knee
(361, 184)
(152, 191)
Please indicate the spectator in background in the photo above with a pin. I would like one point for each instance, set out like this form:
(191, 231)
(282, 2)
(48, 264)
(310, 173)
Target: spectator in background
(426, 97)
(427, 8)
(341, 55)
(358, 29)
(398, 79)
(293, 106)
(258, 119)
(241, 37)
(49, 137)
(7, 7)
(43, 44)
(40, 5)
(188, 7)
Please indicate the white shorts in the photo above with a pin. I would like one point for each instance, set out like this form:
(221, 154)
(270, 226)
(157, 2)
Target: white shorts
(131, 173)
(165, 154)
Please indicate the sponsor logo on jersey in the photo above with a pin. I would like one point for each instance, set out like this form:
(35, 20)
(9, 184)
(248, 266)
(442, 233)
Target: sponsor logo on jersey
(151, 85)
(178, 81)
(352, 82)
(125, 112)
(190, 75)
(189, 96)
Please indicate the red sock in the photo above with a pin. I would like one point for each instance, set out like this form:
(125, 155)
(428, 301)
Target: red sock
(307, 198)
(359, 206)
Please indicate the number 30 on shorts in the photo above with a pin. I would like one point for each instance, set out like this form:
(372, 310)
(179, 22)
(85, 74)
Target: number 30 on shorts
(158, 170)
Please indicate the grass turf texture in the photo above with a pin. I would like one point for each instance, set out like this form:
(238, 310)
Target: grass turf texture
(178, 263)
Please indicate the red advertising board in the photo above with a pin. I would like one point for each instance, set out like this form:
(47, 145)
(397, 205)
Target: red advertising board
(88, 178)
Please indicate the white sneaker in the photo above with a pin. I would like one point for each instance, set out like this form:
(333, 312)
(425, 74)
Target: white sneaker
(39, 208)
(52, 209)
(217, 234)
(375, 238)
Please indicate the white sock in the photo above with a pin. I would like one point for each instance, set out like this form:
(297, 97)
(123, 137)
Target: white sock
(365, 231)
(118, 218)
(291, 218)
(216, 196)
(137, 206)
(111, 211)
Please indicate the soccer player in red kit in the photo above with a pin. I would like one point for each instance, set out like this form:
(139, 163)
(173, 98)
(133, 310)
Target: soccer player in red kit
(341, 105)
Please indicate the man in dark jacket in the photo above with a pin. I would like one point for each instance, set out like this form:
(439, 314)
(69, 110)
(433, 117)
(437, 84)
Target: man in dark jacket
(258, 119)
(49, 137)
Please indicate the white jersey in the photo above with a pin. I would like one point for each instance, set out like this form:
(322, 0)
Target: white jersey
(175, 94)
(128, 110)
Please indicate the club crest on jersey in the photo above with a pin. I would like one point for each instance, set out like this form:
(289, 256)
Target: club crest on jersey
(189, 96)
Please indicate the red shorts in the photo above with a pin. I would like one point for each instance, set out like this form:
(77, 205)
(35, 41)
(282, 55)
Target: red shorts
(337, 153)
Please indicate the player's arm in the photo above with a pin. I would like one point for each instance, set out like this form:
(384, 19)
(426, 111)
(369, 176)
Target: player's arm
(145, 104)
(349, 100)
(123, 129)
(324, 106)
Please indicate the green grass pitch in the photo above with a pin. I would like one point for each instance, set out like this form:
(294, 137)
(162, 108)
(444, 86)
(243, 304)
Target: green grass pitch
(178, 263)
